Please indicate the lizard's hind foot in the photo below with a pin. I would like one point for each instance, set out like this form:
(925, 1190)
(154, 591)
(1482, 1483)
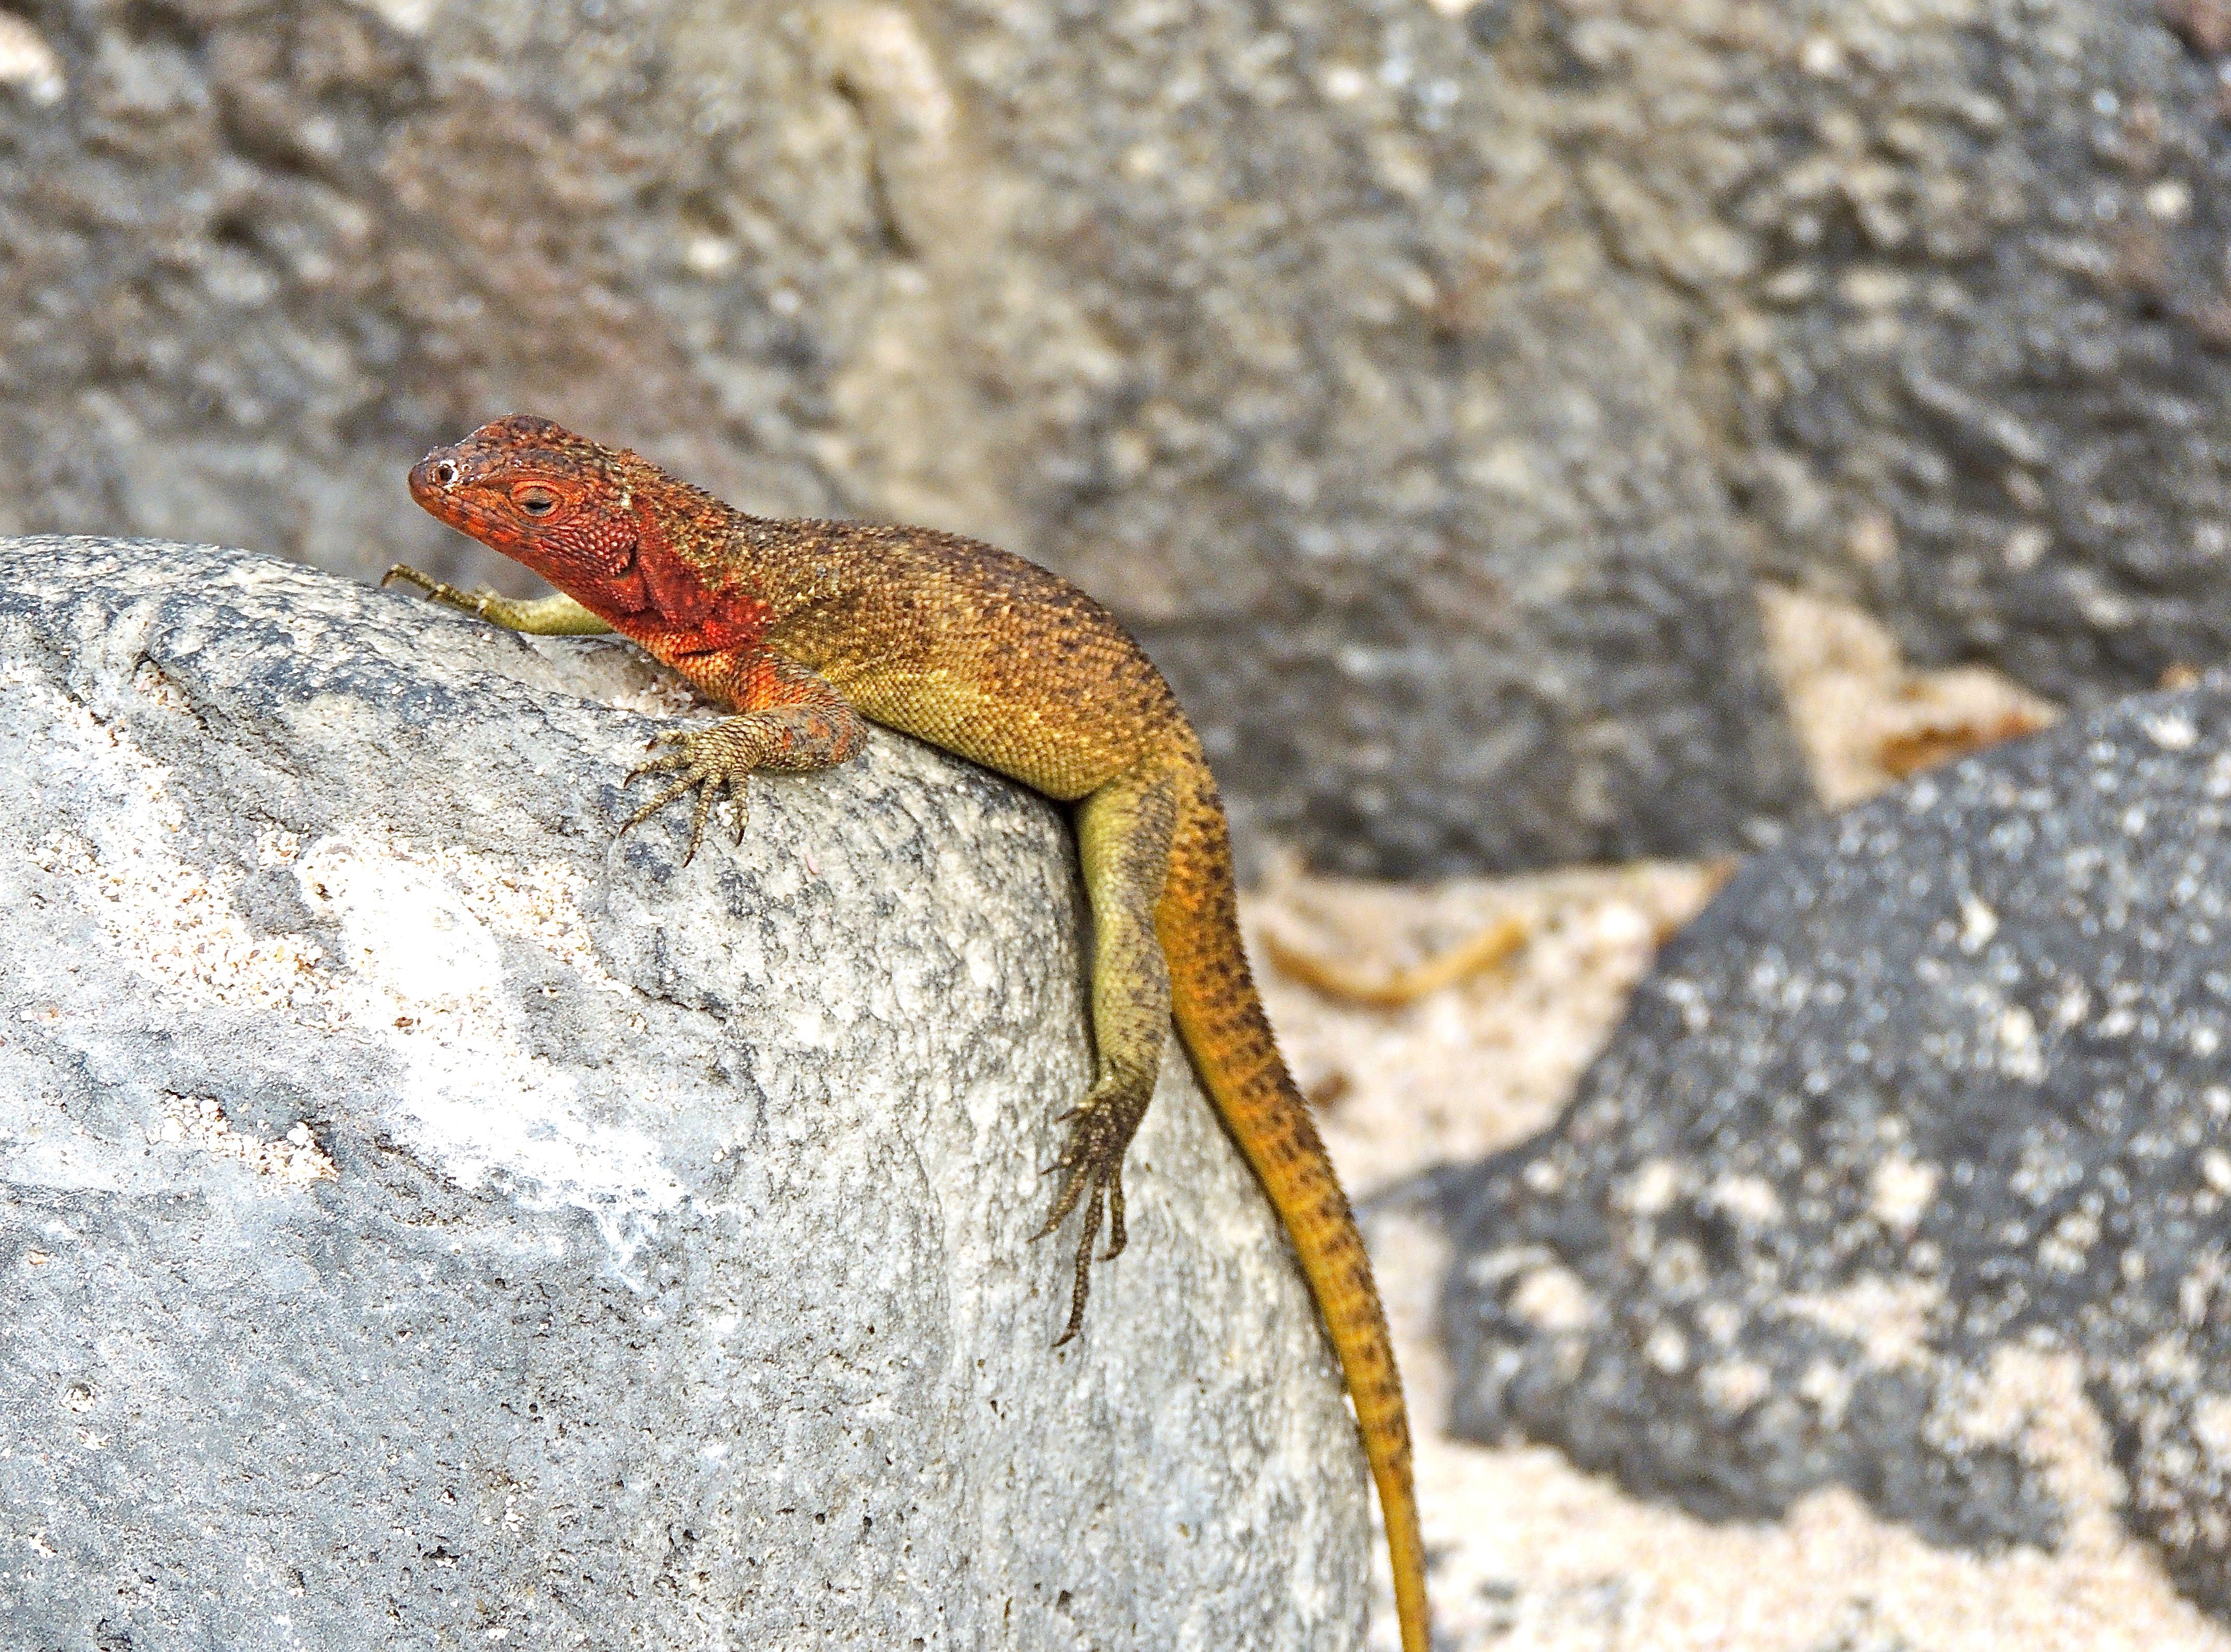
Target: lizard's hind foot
(1091, 1164)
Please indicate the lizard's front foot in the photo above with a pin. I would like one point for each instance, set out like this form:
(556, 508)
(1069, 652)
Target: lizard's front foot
(471, 602)
(555, 616)
(1091, 1164)
(707, 759)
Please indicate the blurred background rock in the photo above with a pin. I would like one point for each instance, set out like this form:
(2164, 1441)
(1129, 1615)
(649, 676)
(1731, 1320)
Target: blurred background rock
(1429, 385)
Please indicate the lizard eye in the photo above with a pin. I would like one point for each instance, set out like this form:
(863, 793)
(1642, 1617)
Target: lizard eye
(445, 474)
(536, 501)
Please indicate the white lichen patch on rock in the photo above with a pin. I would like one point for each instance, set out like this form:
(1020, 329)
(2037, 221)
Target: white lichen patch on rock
(1900, 1192)
(2211, 1426)
(172, 923)
(539, 903)
(1749, 1199)
(424, 975)
(2021, 1054)
(2067, 1249)
(536, 902)
(1733, 1386)
(198, 1122)
(1553, 1298)
(28, 61)
(2035, 1396)
(1652, 1189)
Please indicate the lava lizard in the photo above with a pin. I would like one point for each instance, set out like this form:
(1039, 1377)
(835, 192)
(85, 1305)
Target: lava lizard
(812, 630)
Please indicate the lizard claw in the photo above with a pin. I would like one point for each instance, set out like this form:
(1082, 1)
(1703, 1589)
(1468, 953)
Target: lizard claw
(706, 764)
(1101, 1128)
(470, 602)
(678, 788)
(666, 764)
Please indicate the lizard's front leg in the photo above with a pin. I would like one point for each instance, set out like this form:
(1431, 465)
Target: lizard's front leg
(790, 720)
(558, 616)
(1123, 833)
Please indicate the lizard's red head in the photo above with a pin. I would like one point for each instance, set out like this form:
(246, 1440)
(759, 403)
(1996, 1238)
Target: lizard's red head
(541, 495)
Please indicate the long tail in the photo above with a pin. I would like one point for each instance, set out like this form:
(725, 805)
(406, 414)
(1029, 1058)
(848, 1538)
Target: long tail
(1221, 1020)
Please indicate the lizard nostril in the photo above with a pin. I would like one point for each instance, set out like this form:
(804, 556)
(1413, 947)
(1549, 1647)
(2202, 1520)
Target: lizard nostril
(445, 474)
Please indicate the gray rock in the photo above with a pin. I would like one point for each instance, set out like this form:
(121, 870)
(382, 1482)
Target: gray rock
(426, 1219)
(1288, 333)
(1392, 467)
(1937, 1087)
(1960, 303)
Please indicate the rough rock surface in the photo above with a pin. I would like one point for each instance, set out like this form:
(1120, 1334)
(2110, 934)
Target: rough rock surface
(424, 1220)
(1933, 1093)
(1286, 330)
(1961, 297)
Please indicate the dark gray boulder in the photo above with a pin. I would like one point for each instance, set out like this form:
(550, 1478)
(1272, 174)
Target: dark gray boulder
(426, 1219)
(1960, 302)
(1941, 1086)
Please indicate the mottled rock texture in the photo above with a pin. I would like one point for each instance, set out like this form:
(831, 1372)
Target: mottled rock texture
(1933, 1092)
(1959, 273)
(423, 1219)
(1289, 330)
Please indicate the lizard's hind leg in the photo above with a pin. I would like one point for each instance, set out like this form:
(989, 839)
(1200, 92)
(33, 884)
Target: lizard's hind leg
(1123, 834)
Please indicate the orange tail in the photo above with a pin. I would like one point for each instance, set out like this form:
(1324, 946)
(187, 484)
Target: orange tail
(1221, 1021)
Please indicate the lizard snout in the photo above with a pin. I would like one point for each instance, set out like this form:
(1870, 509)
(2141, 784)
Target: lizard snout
(432, 475)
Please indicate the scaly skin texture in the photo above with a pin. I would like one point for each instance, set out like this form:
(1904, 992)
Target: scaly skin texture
(811, 630)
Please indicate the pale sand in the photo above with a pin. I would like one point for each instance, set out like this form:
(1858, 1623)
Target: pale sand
(1862, 717)
(1528, 1553)
(1464, 1071)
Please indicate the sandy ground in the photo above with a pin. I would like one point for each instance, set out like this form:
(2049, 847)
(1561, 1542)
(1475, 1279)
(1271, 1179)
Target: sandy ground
(1527, 1553)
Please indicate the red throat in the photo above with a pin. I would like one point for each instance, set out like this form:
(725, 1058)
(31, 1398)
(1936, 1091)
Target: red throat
(693, 618)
